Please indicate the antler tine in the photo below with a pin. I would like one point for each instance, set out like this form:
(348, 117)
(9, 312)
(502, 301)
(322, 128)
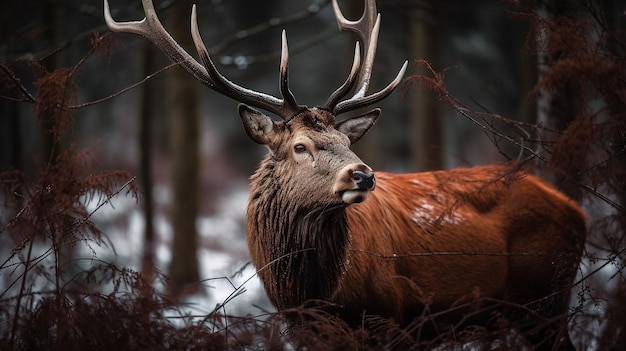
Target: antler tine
(289, 100)
(284, 108)
(347, 85)
(152, 29)
(367, 28)
(354, 102)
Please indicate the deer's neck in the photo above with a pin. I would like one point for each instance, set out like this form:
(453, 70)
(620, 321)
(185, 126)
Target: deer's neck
(299, 250)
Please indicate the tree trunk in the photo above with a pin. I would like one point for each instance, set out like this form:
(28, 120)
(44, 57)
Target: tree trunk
(556, 108)
(184, 154)
(10, 131)
(145, 166)
(426, 139)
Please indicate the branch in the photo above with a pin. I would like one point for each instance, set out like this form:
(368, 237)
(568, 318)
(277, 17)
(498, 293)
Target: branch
(274, 22)
(94, 102)
(18, 84)
(438, 86)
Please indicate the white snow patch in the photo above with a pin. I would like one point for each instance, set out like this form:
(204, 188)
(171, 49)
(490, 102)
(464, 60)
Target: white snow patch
(427, 213)
(228, 280)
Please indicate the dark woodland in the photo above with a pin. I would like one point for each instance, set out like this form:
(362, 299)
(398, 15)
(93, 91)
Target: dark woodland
(94, 123)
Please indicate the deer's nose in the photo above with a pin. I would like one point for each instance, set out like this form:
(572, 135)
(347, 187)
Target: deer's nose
(365, 181)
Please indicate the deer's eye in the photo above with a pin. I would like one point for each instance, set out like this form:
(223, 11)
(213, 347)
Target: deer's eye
(299, 148)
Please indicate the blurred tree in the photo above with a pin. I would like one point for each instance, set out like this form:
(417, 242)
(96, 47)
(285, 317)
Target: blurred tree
(10, 126)
(425, 116)
(145, 161)
(10, 143)
(558, 107)
(184, 106)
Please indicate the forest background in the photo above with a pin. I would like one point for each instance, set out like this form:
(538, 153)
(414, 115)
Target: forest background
(141, 192)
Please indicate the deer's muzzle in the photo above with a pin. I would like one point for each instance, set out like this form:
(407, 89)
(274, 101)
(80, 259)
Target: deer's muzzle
(354, 183)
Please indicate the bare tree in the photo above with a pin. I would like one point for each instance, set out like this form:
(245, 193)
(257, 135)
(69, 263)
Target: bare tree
(184, 107)
(425, 115)
(145, 162)
(557, 107)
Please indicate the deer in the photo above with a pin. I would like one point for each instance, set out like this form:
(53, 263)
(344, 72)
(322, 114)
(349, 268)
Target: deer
(323, 226)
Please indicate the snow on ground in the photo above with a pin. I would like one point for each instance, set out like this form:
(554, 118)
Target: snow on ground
(226, 272)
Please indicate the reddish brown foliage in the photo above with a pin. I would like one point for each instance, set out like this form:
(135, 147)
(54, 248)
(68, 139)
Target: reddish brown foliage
(57, 90)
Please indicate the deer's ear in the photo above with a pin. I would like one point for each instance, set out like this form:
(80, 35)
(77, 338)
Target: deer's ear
(258, 126)
(356, 127)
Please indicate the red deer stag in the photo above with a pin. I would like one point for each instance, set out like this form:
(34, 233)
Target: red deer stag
(317, 229)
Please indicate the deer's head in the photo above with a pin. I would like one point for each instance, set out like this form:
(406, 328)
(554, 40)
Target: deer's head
(306, 143)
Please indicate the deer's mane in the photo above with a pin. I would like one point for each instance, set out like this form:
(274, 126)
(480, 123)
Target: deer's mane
(300, 250)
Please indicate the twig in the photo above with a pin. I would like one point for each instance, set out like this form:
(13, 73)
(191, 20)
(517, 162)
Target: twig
(94, 102)
(274, 22)
(20, 294)
(108, 199)
(18, 84)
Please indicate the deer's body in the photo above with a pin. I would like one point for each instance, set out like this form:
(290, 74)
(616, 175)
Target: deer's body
(321, 226)
(437, 238)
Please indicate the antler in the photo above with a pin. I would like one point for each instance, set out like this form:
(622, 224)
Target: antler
(152, 29)
(367, 29)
